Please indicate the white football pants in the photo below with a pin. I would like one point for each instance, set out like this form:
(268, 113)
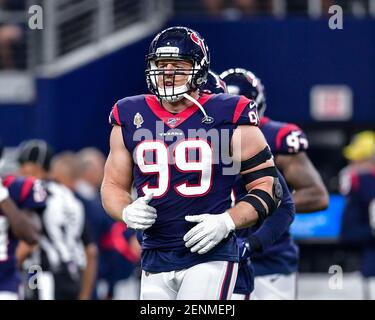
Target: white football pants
(238, 296)
(212, 280)
(275, 287)
(7, 295)
(369, 288)
(127, 289)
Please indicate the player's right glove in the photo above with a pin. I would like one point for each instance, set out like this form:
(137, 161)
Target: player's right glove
(4, 193)
(244, 249)
(139, 215)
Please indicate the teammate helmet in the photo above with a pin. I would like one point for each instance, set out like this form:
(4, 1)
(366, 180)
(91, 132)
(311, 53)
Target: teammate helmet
(214, 84)
(243, 82)
(177, 43)
(36, 151)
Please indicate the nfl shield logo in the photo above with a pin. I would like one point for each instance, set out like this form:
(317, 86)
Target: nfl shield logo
(138, 120)
(173, 121)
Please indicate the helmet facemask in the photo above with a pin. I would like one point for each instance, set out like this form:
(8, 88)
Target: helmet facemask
(164, 88)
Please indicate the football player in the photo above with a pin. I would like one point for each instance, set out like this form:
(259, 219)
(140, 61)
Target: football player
(358, 222)
(171, 145)
(284, 214)
(274, 255)
(65, 242)
(20, 198)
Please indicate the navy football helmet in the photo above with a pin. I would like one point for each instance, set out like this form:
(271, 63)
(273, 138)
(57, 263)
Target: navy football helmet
(177, 43)
(243, 82)
(36, 151)
(214, 84)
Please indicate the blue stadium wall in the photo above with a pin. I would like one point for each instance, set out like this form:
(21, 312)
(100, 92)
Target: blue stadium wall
(291, 55)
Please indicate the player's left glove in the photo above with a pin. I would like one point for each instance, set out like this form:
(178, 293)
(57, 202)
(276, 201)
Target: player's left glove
(210, 230)
(4, 193)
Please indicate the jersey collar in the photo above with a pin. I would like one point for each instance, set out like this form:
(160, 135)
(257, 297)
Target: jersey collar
(170, 119)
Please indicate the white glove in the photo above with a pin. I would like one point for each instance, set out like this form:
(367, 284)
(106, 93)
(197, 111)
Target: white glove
(4, 193)
(210, 230)
(139, 215)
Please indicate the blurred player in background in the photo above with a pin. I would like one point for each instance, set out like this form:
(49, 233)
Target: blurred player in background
(126, 257)
(20, 199)
(88, 179)
(64, 170)
(357, 183)
(189, 250)
(274, 254)
(118, 248)
(61, 250)
(280, 220)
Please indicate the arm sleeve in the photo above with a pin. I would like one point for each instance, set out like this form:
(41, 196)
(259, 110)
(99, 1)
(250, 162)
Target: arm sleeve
(272, 228)
(276, 224)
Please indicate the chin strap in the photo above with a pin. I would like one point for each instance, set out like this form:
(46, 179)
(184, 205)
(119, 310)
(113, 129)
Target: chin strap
(206, 119)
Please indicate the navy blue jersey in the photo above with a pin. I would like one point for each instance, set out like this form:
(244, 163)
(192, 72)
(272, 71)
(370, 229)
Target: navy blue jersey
(120, 258)
(124, 256)
(245, 278)
(182, 161)
(283, 138)
(281, 254)
(27, 193)
(358, 222)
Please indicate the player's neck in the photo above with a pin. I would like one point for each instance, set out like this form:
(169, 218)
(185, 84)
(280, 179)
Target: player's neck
(179, 106)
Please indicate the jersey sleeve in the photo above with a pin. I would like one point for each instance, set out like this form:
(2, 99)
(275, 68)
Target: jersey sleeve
(114, 116)
(27, 192)
(290, 139)
(245, 112)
